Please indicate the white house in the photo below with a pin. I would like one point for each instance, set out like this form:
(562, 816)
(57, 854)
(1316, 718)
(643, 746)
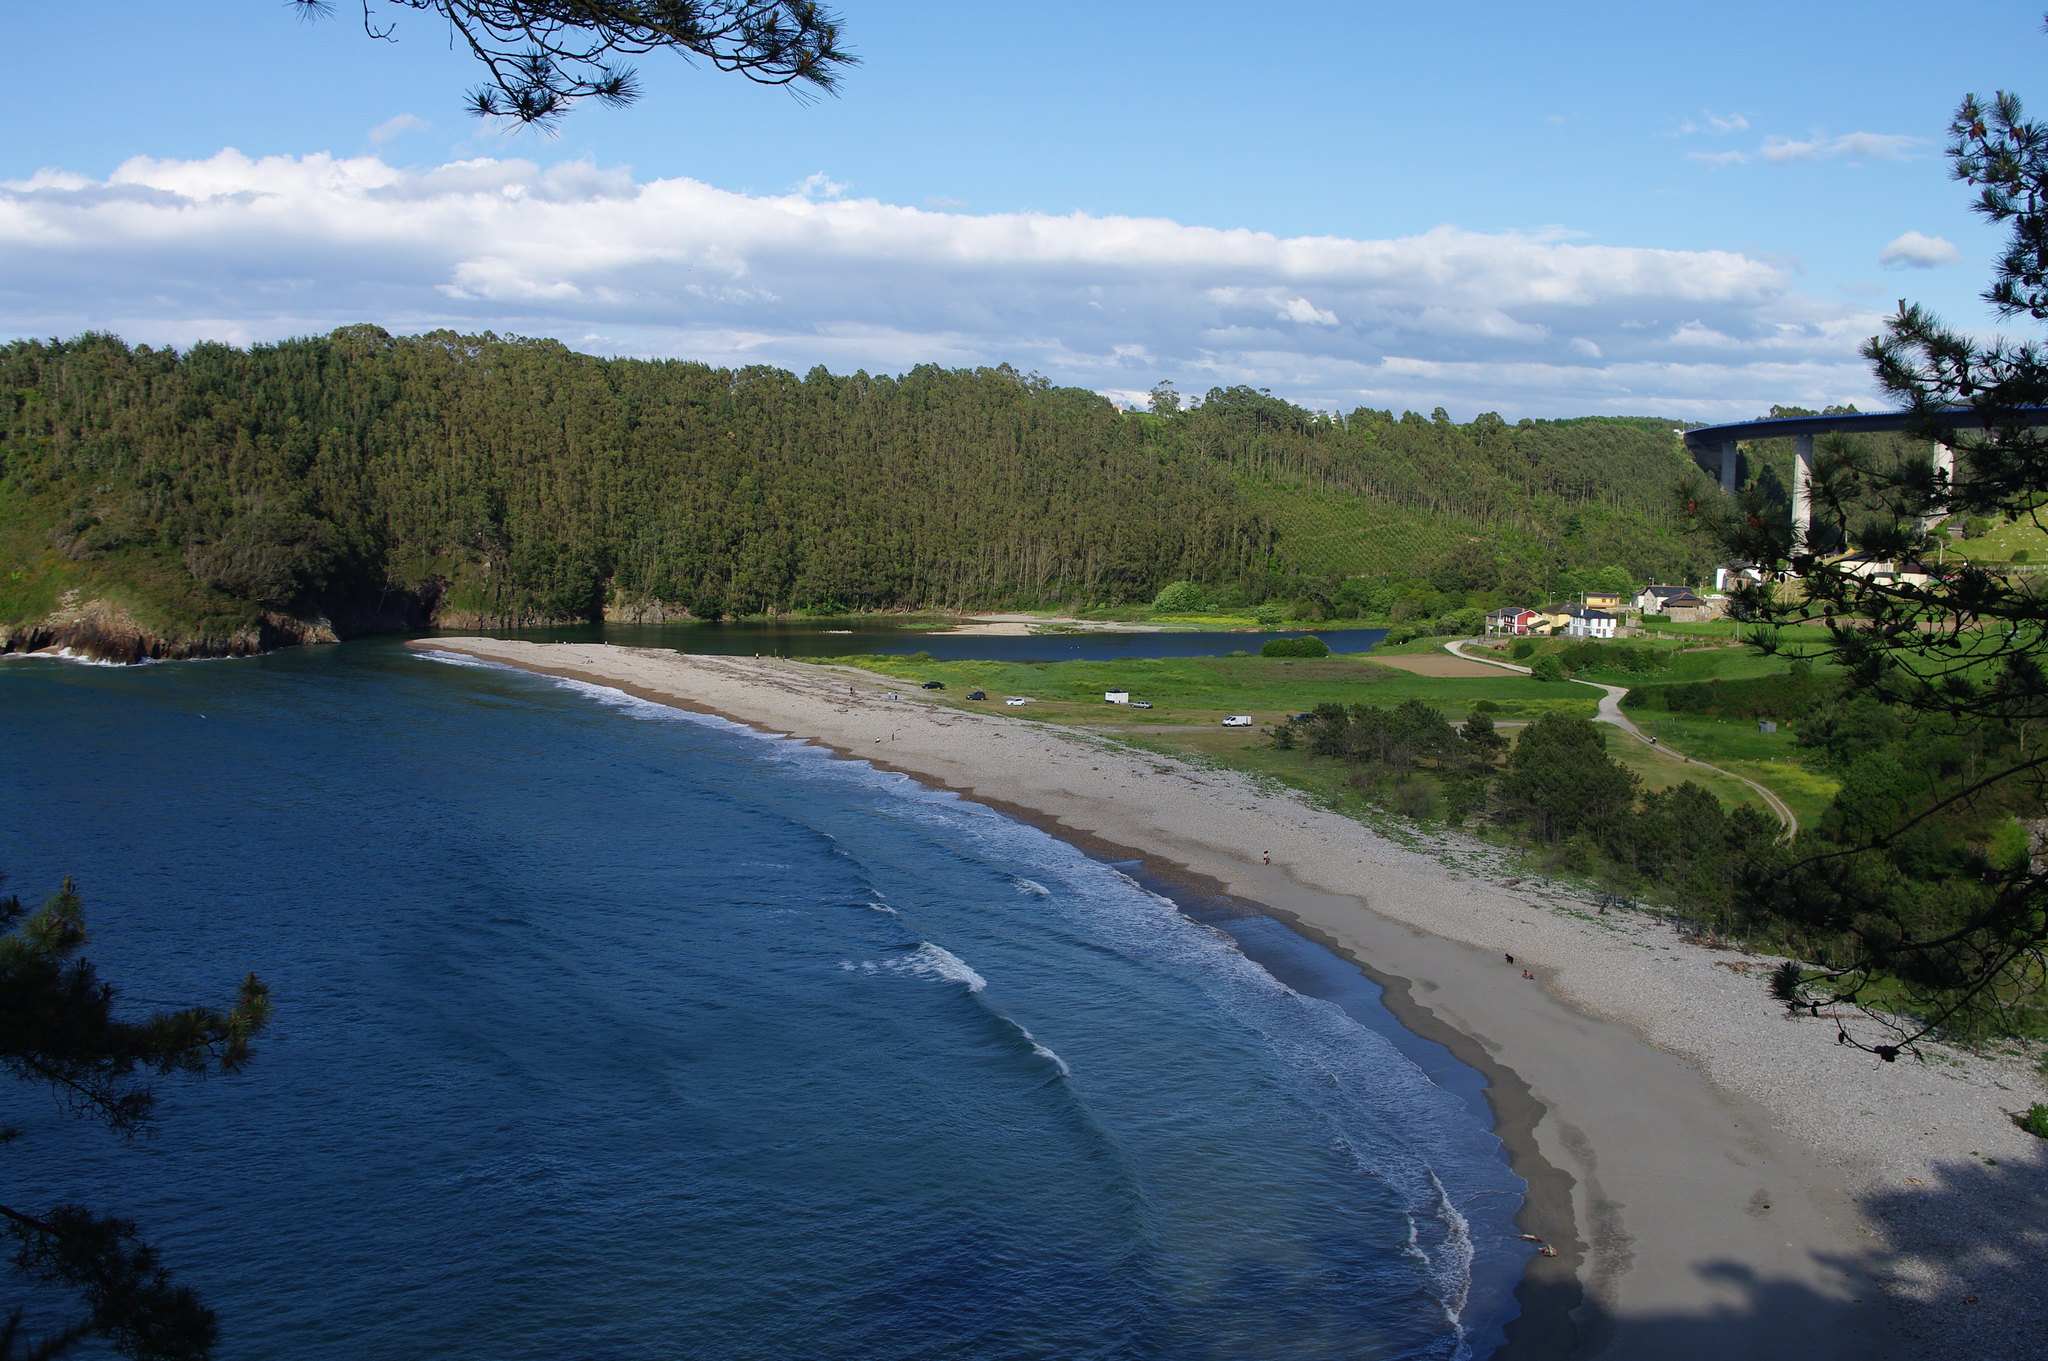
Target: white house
(1651, 599)
(1885, 571)
(1583, 621)
(1736, 576)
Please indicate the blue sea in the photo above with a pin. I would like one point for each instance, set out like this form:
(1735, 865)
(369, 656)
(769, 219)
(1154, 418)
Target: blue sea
(609, 1031)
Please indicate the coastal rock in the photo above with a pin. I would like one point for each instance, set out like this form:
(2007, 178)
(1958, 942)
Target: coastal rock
(105, 631)
(619, 610)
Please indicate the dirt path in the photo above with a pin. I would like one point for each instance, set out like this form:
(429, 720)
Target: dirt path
(1610, 712)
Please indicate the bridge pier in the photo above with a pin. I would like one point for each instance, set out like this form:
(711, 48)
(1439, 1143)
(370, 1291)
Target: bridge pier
(1802, 491)
(1945, 476)
(1728, 467)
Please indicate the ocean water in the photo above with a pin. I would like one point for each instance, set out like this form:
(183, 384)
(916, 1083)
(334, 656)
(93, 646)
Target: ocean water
(606, 1031)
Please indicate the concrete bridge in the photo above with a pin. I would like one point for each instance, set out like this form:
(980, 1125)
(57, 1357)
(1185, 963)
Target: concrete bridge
(1801, 430)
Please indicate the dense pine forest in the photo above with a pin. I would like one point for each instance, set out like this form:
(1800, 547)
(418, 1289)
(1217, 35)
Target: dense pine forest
(221, 498)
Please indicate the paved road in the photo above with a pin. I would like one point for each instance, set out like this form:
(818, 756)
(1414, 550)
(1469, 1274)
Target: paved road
(1610, 712)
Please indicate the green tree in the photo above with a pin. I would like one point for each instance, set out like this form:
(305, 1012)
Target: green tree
(1483, 742)
(1547, 668)
(542, 56)
(1181, 597)
(1561, 781)
(1957, 660)
(59, 1029)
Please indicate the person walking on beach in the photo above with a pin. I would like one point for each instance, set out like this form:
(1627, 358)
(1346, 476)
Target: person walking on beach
(1265, 857)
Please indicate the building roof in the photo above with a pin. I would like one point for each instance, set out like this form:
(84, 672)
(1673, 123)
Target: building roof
(1666, 592)
(1585, 612)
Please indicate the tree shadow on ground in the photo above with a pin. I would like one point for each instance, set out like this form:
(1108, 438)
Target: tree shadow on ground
(1958, 1271)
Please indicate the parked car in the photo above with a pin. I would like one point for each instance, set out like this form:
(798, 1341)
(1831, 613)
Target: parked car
(1016, 701)
(977, 694)
(1141, 704)
(934, 685)
(1238, 721)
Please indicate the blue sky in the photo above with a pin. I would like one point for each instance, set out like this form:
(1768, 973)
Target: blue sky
(1543, 211)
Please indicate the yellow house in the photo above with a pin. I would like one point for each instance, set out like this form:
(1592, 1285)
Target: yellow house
(1603, 600)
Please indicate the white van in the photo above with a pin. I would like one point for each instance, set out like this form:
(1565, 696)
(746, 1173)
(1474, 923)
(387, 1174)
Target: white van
(1238, 721)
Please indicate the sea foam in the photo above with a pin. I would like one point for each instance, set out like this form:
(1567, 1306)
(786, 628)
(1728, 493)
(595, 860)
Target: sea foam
(926, 961)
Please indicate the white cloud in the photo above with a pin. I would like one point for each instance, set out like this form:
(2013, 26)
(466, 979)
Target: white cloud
(397, 126)
(229, 247)
(1850, 146)
(818, 184)
(1916, 250)
(1307, 313)
(1713, 122)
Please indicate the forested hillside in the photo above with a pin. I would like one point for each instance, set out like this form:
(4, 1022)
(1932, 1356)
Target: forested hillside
(1485, 507)
(221, 499)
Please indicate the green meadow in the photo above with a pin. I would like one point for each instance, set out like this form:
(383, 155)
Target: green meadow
(1202, 690)
(1737, 744)
(1191, 695)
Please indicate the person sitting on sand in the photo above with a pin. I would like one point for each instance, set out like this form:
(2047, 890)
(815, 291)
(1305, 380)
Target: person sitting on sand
(1527, 974)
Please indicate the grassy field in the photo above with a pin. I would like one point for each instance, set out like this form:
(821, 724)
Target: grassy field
(1659, 770)
(2002, 542)
(1690, 660)
(1770, 759)
(1191, 694)
(1202, 690)
(1796, 637)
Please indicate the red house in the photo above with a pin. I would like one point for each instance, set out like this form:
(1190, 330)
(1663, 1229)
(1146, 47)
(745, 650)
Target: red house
(1512, 620)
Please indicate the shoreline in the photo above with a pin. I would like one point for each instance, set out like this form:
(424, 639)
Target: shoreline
(1694, 1164)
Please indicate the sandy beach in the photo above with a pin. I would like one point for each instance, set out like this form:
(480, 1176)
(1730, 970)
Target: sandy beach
(1718, 1181)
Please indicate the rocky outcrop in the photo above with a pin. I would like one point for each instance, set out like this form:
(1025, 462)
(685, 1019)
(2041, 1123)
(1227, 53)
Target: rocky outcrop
(619, 610)
(105, 631)
(95, 627)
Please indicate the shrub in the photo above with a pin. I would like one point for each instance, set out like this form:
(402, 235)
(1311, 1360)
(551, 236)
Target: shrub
(1414, 799)
(2035, 1121)
(1547, 668)
(1295, 647)
(1182, 597)
(1271, 616)
(2021, 557)
(1524, 647)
